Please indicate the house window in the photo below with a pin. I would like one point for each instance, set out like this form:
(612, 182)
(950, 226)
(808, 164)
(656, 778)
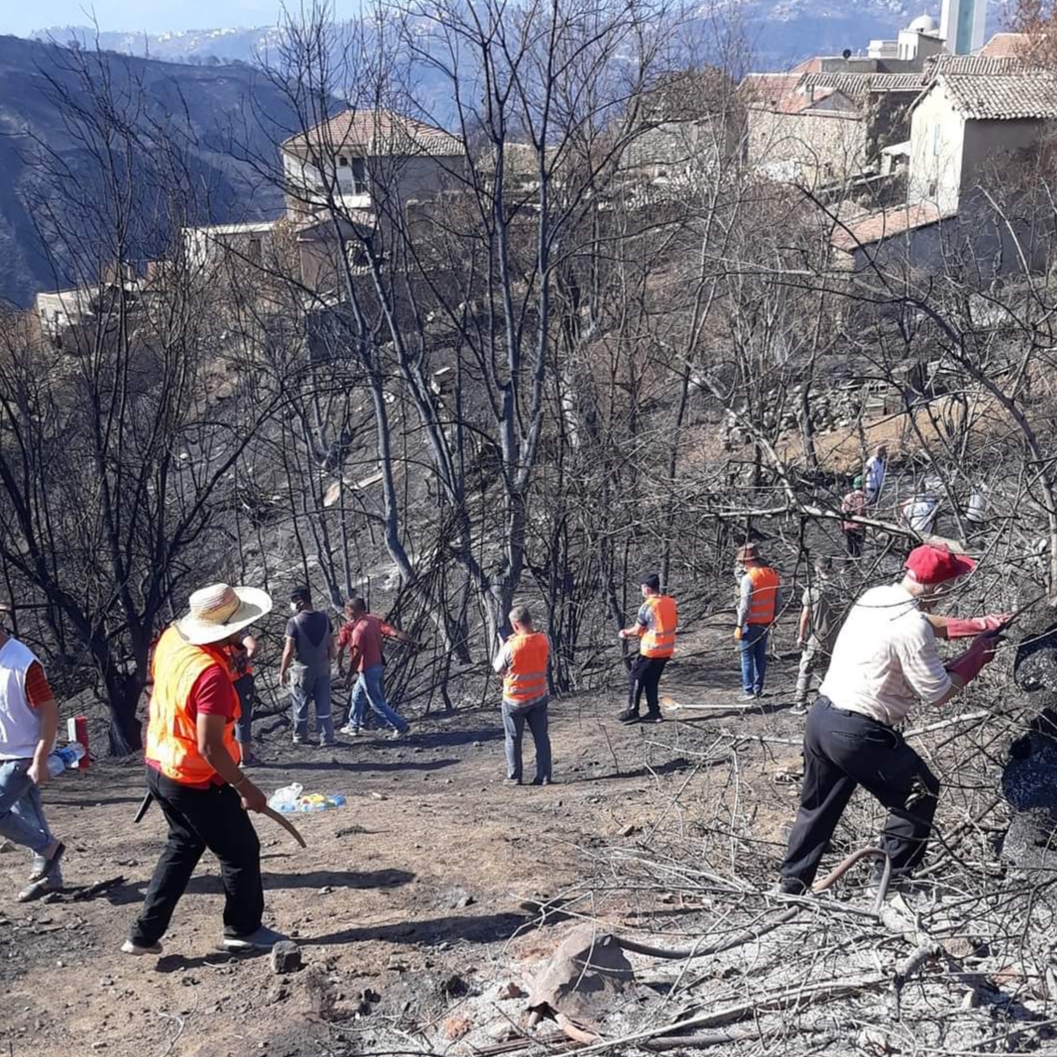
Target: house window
(359, 176)
(343, 162)
(936, 140)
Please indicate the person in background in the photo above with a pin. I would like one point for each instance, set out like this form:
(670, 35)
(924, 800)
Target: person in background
(192, 773)
(817, 632)
(854, 505)
(876, 468)
(921, 509)
(29, 720)
(522, 661)
(362, 637)
(655, 628)
(759, 599)
(307, 654)
(354, 608)
(241, 656)
(884, 660)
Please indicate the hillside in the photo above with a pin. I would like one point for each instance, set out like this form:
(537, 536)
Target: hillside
(208, 107)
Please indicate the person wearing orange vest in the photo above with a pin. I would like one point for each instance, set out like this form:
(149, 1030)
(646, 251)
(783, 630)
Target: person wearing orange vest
(655, 629)
(758, 605)
(193, 774)
(522, 662)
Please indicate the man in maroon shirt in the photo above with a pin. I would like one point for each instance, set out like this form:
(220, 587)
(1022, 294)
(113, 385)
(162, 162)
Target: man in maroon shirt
(362, 637)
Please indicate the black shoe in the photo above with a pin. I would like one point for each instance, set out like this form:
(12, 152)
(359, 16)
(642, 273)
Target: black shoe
(629, 716)
(790, 886)
(653, 717)
(511, 781)
(542, 781)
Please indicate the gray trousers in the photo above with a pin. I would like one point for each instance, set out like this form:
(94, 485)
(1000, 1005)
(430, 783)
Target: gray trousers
(813, 659)
(534, 713)
(308, 686)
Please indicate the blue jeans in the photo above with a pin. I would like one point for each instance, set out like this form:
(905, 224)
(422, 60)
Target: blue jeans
(21, 811)
(753, 647)
(307, 686)
(514, 719)
(369, 690)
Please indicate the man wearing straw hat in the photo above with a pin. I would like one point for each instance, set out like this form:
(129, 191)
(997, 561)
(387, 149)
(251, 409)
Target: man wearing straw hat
(193, 773)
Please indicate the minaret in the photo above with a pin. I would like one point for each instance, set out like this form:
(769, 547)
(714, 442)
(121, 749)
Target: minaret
(962, 25)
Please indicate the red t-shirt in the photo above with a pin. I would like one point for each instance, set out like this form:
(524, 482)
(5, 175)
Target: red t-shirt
(211, 695)
(37, 689)
(366, 635)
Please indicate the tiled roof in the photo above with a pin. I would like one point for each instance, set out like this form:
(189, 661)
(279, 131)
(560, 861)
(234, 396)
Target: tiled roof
(981, 65)
(1028, 95)
(858, 85)
(377, 133)
(874, 227)
(1004, 44)
(775, 91)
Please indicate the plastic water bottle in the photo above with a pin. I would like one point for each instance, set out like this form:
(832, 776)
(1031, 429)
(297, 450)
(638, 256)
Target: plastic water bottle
(69, 756)
(319, 802)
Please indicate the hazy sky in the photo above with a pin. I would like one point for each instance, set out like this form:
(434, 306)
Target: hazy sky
(153, 16)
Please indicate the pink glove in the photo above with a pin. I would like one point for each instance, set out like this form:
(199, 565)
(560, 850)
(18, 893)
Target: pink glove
(968, 665)
(962, 628)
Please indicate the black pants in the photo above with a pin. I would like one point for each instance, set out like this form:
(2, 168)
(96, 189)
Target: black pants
(843, 750)
(645, 674)
(199, 819)
(854, 541)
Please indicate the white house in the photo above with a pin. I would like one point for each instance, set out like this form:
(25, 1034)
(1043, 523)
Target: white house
(359, 156)
(209, 245)
(966, 123)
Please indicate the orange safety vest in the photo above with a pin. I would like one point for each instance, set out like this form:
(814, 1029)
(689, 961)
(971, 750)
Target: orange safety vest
(526, 675)
(172, 736)
(658, 640)
(765, 583)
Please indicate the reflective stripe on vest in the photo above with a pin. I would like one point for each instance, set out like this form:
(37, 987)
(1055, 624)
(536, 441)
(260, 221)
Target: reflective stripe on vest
(658, 640)
(172, 735)
(526, 677)
(764, 594)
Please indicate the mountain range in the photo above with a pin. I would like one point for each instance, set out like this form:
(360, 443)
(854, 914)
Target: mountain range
(229, 120)
(779, 32)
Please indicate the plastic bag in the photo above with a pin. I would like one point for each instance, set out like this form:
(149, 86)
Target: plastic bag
(285, 799)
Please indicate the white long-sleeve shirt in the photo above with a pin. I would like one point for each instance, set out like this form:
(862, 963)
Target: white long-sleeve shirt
(885, 658)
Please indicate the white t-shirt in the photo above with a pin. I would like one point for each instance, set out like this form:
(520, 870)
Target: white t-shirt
(875, 477)
(885, 658)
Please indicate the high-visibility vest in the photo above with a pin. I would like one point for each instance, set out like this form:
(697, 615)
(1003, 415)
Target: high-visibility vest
(765, 583)
(658, 640)
(526, 675)
(172, 735)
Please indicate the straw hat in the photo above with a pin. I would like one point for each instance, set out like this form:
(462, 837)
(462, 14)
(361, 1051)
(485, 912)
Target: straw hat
(220, 610)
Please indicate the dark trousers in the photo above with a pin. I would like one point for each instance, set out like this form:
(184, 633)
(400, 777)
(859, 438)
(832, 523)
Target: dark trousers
(244, 724)
(198, 819)
(843, 750)
(645, 674)
(854, 541)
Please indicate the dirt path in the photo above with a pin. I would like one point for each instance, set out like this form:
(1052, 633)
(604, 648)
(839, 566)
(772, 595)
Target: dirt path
(404, 902)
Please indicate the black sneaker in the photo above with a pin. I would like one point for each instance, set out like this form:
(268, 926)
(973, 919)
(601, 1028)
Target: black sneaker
(653, 717)
(629, 716)
(790, 886)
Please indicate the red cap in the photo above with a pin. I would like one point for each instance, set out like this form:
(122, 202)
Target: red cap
(929, 564)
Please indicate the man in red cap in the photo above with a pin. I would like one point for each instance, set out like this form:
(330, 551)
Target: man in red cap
(884, 660)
